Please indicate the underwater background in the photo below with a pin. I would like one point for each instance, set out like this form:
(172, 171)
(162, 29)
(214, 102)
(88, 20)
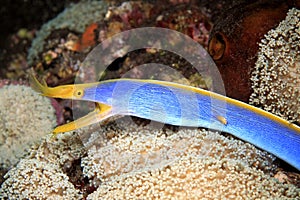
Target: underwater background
(254, 44)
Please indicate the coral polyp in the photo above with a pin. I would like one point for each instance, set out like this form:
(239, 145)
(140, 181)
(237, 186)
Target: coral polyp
(276, 78)
(23, 113)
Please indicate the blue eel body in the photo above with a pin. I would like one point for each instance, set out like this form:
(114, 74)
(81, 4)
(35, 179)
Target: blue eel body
(186, 106)
(183, 105)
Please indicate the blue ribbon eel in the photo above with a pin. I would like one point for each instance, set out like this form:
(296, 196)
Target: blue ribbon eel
(181, 105)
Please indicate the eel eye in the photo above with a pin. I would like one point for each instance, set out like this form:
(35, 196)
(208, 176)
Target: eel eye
(78, 93)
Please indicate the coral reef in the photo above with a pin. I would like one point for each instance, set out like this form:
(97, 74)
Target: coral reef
(127, 161)
(20, 14)
(275, 78)
(41, 175)
(190, 21)
(196, 178)
(23, 114)
(76, 18)
(65, 49)
(34, 179)
(234, 41)
(122, 160)
(13, 56)
(136, 148)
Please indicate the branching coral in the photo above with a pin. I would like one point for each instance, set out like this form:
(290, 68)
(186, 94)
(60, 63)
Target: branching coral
(276, 78)
(23, 114)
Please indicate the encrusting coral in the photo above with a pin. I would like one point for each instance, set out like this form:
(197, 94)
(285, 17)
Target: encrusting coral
(23, 114)
(196, 178)
(131, 162)
(136, 148)
(276, 78)
(122, 160)
(41, 175)
(126, 161)
(35, 179)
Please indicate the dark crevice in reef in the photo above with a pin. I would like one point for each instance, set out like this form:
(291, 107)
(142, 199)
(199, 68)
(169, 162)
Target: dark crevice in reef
(2, 173)
(28, 14)
(76, 177)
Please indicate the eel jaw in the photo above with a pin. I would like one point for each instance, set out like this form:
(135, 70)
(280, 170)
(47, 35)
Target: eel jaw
(101, 112)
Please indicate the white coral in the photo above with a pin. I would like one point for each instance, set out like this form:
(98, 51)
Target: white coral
(25, 117)
(196, 178)
(41, 174)
(137, 148)
(276, 76)
(125, 161)
(35, 179)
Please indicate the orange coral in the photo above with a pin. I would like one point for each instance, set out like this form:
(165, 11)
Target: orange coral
(87, 39)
